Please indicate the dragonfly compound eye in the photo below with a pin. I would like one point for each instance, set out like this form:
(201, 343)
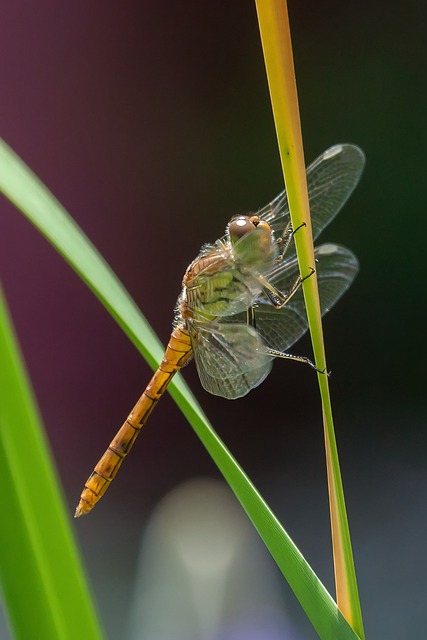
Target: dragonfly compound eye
(239, 227)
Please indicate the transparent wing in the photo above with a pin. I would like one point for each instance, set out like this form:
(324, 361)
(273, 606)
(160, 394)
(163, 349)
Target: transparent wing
(336, 269)
(330, 180)
(230, 358)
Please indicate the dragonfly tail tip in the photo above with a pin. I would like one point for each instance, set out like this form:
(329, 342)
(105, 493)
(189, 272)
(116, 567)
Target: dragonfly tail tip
(82, 509)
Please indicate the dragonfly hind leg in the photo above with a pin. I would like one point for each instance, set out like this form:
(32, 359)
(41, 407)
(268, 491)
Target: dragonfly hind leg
(291, 356)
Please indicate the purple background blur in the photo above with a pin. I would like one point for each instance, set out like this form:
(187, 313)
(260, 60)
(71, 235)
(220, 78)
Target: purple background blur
(151, 123)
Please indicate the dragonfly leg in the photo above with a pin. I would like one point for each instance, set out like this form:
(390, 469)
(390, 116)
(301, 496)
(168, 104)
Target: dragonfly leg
(284, 240)
(276, 297)
(303, 224)
(291, 356)
(250, 316)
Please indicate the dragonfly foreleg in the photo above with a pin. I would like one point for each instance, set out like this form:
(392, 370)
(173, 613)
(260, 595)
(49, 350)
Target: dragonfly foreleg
(284, 240)
(277, 298)
(291, 356)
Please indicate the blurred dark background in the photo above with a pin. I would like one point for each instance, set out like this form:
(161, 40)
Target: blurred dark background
(151, 124)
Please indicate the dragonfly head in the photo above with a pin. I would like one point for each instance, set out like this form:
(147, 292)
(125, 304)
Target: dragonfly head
(252, 240)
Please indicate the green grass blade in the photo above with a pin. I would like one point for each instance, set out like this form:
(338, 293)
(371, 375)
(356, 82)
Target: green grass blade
(42, 580)
(276, 41)
(23, 188)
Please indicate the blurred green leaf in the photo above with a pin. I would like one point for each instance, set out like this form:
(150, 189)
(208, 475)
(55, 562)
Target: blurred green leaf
(42, 580)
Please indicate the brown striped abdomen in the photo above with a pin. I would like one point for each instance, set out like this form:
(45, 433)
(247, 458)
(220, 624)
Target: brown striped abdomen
(176, 355)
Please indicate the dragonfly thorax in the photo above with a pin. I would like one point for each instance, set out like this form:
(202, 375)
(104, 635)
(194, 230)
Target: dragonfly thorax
(214, 285)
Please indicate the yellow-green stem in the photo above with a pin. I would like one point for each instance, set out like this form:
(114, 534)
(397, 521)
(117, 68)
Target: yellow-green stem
(276, 42)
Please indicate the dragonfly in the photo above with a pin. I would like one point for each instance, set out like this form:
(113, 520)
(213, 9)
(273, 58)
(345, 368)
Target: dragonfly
(242, 304)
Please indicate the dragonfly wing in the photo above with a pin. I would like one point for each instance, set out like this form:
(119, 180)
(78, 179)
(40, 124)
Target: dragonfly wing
(231, 359)
(331, 180)
(336, 268)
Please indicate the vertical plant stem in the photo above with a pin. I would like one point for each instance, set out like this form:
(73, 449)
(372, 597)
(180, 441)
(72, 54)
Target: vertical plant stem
(277, 47)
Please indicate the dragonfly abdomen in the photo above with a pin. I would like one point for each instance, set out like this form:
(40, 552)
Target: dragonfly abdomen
(177, 353)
